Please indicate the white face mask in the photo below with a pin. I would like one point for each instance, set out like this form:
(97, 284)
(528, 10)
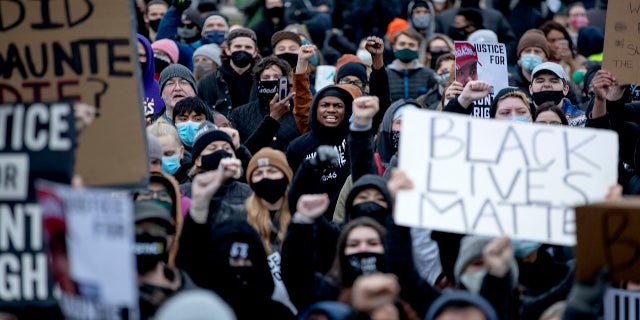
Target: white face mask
(473, 281)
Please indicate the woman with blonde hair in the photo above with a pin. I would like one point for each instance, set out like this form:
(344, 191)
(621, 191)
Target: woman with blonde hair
(269, 176)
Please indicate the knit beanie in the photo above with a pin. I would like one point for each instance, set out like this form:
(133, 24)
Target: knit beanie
(242, 32)
(211, 51)
(299, 29)
(284, 35)
(353, 69)
(397, 24)
(269, 157)
(167, 46)
(216, 15)
(154, 149)
(533, 38)
(176, 70)
(207, 133)
(196, 304)
(344, 59)
(193, 15)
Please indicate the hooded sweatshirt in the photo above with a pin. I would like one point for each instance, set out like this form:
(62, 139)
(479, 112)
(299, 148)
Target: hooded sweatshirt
(369, 181)
(328, 178)
(153, 102)
(457, 297)
(385, 145)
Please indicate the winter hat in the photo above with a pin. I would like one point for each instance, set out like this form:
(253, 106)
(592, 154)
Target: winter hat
(207, 133)
(455, 298)
(465, 52)
(242, 32)
(219, 16)
(332, 309)
(533, 38)
(150, 209)
(394, 26)
(344, 59)
(211, 51)
(269, 157)
(420, 3)
(471, 247)
(483, 36)
(167, 46)
(195, 304)
(154, 149)
(299, 29)
(193, 15)
(353, 69)
(285, 35)
(176, 70)
(590, 41)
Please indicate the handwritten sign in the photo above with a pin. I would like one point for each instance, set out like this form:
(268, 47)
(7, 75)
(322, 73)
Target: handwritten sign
(608, 236)
(36, 141)
(621, 304)
(80, 51)
(621, 53)
(491, 177)
(486, 62)
(90, 245)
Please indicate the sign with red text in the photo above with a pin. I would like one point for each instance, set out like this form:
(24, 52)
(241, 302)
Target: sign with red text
(489, 177)
(80, 50)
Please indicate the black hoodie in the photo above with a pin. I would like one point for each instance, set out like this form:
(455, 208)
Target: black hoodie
(385, 146)
(206, 257)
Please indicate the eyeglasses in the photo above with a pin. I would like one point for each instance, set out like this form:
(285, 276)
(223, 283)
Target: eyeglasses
(161, 195)
(356, 83)
(182, 83)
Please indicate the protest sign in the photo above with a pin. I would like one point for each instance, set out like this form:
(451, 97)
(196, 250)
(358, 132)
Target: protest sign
(608, 236)
(280, 292)
(491, 177)
(36, 141)
(80, 51)
(621, 304)
(621, 55)
(324, 76)
(90, 240)
(486, 62)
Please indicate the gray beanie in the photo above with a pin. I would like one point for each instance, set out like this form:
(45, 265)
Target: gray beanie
(176, 70)
(211, 51)
(195, 304)
(154, 149)
(472, 247)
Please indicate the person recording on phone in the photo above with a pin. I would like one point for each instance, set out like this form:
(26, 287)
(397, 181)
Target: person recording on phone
(267, 121)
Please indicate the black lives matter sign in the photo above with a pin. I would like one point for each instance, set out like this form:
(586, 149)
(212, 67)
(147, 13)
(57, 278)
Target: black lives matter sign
(36, 142)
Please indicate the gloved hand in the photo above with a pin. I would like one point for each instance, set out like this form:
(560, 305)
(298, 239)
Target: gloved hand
(586, 298)
(181, 5)
(326, 155)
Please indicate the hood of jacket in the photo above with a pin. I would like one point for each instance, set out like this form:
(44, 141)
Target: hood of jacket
(152, 99)
(365, 182)
(342, 129)
(385, 145)
(457, 297)
(432, 23)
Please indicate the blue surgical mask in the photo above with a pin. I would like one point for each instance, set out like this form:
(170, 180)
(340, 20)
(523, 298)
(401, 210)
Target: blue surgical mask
(518, 119)
(529, 61)
(523, 248)
(214, 36)
(187, 132)
(171, 164)
(443, 79)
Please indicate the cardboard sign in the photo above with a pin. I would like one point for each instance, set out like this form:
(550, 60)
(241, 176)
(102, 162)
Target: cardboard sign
(608, 236)
(621, 54)
(36, 141)
(90, 240)
(491, 177)
(621, 304)
(486, 62)
(80, 51)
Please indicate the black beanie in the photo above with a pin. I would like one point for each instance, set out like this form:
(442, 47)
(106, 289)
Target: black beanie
(499, 95)
(353, 69)
(207, 133)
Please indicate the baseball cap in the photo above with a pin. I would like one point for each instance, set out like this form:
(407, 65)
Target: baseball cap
(550, 67)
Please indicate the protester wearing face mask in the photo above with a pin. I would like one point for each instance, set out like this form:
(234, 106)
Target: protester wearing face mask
(232, 85)
(182, 25)
(437, 46)
(532, 51)
(408, 78)
(188, 114)
(444, 66)
(214, 29)
(286, 45)
(267, 121)
(576, 20)
(421, 17)
(153, 103)
(176, 161)
(153, 13)
(206, 59)
(511, 104)
(157, 280)
(272, 22)
(549, 82)
(165, 53)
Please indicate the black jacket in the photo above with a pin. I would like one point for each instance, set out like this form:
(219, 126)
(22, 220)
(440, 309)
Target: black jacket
(258, 130)
(214, 89)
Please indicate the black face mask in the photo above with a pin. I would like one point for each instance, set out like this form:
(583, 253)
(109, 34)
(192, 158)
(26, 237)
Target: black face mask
(154, 24)
(395, 139)
(266, 91)
(150, 250)
(291, 58)
(457, 33)
(211, 162)
(361, 264)
(370, 209)
(544, 96)
(143, 65)
(470, 4)
(275, 12)
(270, 190)
(160, 64)
(241, 58)
(434, 57)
